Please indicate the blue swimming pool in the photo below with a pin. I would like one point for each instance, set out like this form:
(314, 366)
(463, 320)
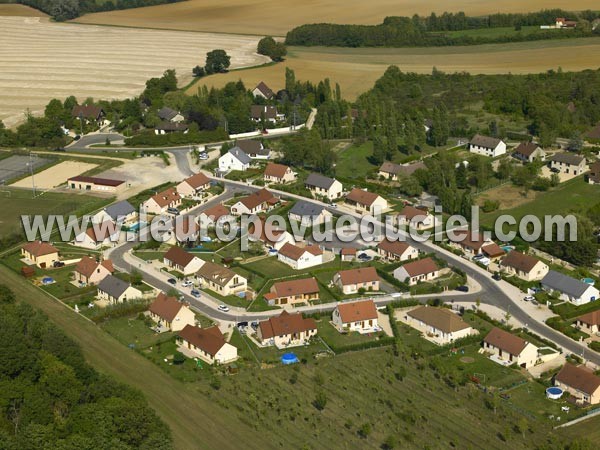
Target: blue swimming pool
(136, 226)
(589, 281)
(554, 393)
(508, 248)
(289, 358)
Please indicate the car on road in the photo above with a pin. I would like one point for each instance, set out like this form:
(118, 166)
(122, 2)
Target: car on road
(333, 205)
(203, 156)
(223, 308)
(186, 283)
(529, 298)
(172, 281)
(497, 277)
(77, 137)
(463, 288)
(364, 257)
(196, 293)
(173, 211)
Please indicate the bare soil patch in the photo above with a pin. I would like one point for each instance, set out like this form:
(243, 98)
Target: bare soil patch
(19, 10)
(55, 175)
(508, 195)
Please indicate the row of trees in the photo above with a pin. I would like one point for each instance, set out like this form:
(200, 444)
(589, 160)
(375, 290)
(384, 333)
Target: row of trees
(51, 398)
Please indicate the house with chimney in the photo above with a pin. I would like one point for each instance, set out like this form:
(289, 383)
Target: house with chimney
(278, 173)
(352, 280)
(89, 272)
(286, 330)
(170, 314)
(523, 266)
(161, 202)
(420, 271)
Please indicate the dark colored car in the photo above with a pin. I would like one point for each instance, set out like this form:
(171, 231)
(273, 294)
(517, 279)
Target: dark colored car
(172, 281)
(497, 277)
(463, 288)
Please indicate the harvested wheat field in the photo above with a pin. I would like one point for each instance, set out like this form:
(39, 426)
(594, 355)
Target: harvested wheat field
(55, 175)
(277, 18)
(356, 69)
(19, 10)
(41, 60)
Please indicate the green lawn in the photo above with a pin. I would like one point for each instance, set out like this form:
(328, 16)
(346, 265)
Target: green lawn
(498, 32)
(133, 331)
(334, 338)
(353, 162)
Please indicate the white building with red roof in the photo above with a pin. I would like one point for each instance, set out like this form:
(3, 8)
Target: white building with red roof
(299, 258)
(286, 330)
(356, 316)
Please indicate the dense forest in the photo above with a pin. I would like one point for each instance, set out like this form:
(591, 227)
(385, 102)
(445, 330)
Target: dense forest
(70, 9)
(433, 30)
(50, 398)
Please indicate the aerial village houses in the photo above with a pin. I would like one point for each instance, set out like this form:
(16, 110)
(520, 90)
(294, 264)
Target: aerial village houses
(210, 217)
(262, 90)
(322, 186)
(293, 292)
(393, 172)
(207, 344)
(309, 214)
(594, 174)
(422, 270)
(161, 202)
(589, 323)
(182, 261)
(352, 280)
(169, 127)
(221, 280)
(278, 173)
(257, 202)
(95, 184)
(170, 314)
(269, 235)
(193, 186)
(568, 163)
(487, 146)
(267, 113)
(299, 258)
(529, 152)
(526, 267)
(105, 234)
(569, 289)
(580, 382)
(508, 349)
(234, 159)
(121, 212)
(356, 316)
(366, 202)
(89, 113)
(170, 115)
(185, 231)
(475, 243)
(42, 254)
(253, 148)
(440, 324)
(396, 251)
(417, 218)
(89, 272)
(113, 290)
(286, 330)
(348, 254)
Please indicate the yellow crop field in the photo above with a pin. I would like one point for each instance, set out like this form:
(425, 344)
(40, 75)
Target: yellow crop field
(19, 10)
(278, 17)
(356, 69)
(41, 60)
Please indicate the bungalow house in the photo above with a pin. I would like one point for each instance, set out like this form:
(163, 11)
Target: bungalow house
(171, 127)
(396, 251)
(42, 254)
(267, 113)
(561, 22)
(89, 272)
(568, 163)
(262, 90)
(523, 266)
(393, 172)
(221, 280)
(286, 330)
(352, 280)
(508, 349)
(182, 261)
(476, 243)
(569, 289)
(309, 214)
(211, 216)
(121, 212)
(234, 159)
(185, 230)
(487, 146)
(170, 115)
(366, 202)
(580, 382)
(105, 234)
(293, 292)
(529, 152)
(113, 290)
(278, 173)
(269, 235)
(171, 314)
(95, 184)
(299, 258)
(423, 270)
(322, 186)
(89, 113)
(355, 316)
(441, 324)
(208, 344)
(348, 254)
(589, 323)
(254, 149)
(257, 202)
(594, 174)
(161, 202)
(193, 186)
(417, 218)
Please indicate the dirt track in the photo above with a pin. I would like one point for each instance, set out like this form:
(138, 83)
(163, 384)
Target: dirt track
(41, 60)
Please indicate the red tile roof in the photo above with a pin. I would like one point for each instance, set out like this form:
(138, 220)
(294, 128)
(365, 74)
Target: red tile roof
(520, 261)
(591, 318)
(276, 170)
(178, 256)
(88, 265)
(166, 197)
(216, 212)
(198, 180)
(166, 307)
(505, 341)
(579, 377)
(421, 267)
(294, 252)
(362, 197)
(295, 287)
(356, 311)
(98, 181)
(394, 247)
(285, 324)
(257, 198)
(356, 276)
(210, 340)
(39, 248)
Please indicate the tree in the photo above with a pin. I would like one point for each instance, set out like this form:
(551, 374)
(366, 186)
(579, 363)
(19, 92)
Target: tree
(576, 142)
(320, 400)
(270, 47)
(217, 61)
(365, 430)
(62, 10)
(198, 71)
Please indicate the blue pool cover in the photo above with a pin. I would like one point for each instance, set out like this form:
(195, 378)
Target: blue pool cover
(289, 358)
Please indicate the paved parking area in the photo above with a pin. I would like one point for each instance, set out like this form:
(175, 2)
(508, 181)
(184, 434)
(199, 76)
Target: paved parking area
(17, 166)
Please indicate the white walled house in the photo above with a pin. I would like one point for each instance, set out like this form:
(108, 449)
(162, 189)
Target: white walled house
(194, 185)
(171, 314)
(161, 202)
(299, 258)
(113, 290)
(440, 324)
(366, 202)
(206, 343)
(419, 219)
(396, 251)
(487, 146)
(254, 203)
(234, 159)
(569, 289)
(356, 316)
(415, 272)
(568, 163)
(278, 173)
(182, 261)
(523, 266)
(322, 186)
(309, 214)
(286, 330)
(508, 349)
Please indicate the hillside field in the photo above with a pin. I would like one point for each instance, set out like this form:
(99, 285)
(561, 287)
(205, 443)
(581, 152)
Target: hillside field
(277, 18)
(356, 69)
